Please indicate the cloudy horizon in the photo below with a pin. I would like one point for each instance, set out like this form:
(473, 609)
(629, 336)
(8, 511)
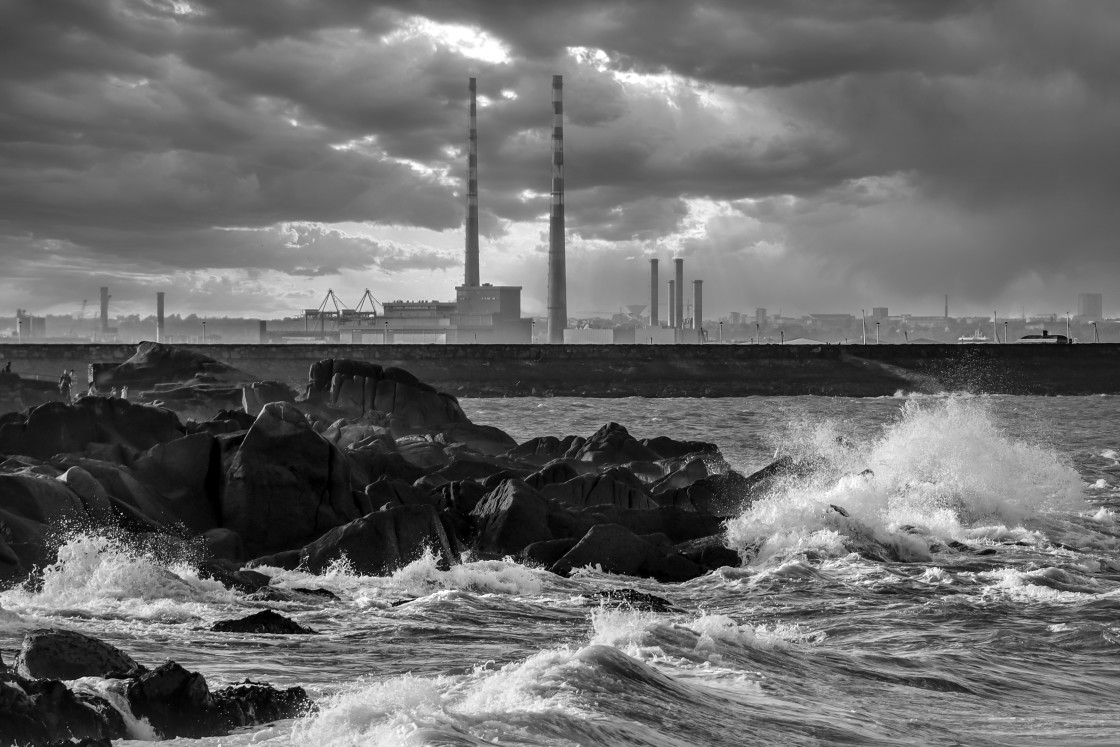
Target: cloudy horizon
(806, 157)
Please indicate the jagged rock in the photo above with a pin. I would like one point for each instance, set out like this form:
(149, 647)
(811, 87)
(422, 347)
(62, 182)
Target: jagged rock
(285, 485)
(710, 552)
(187, 474)
(676, 523)
(668, 448)
(51, 653)
(381, 542)
(544, 449)
(154, 363)
(462, 496)
(58, 428)
(546, 552)
(40, 499)
(391, 492)
(142, 507)
(265, 622)
(45, 712)
(244, 580)
(223, 422)
(510, 518)
(616, 549)
(615, 487)
(611, 444)
(423, 452)
(552, 473)
(178, 703)
(683, 476)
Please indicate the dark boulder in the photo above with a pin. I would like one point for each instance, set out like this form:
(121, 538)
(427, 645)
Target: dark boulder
(553, 473)
(187, 474)
(711, 552)
(611, 444)
(154, 363)
(614, 487)
(46, 712)
(668, 448)
(58, 428)
(510, 518)
(285, 485)
(546, 552)
(616, 549)
(178, 703)
(51, 653)
(385, 492)
(381, 542)
(544, 449)
(265, 622)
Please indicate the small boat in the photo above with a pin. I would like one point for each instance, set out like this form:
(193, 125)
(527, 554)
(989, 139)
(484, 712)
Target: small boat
(975, 338)
(1046, 338)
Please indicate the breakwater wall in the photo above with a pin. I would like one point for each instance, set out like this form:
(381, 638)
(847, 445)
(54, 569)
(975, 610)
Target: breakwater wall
(661, 370)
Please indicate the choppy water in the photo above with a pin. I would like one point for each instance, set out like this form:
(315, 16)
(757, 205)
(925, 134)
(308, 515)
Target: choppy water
(1009, 636)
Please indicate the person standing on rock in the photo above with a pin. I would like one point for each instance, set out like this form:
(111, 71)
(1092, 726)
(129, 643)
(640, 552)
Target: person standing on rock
(64, 383)
(124, 392)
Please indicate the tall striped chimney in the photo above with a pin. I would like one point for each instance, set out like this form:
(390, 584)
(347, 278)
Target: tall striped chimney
(672, 305)
(653, 320)
(678, 300)
(471, 271)
(557, 284)
(698, 309)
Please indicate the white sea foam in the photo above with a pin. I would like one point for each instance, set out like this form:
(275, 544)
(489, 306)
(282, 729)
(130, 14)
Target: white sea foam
(944, 466)
(102, 575)
(489, 703)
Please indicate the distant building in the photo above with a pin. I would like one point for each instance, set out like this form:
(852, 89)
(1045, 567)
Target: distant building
(1090, 305)
(879, 312)
(735, 318)
(760, 317)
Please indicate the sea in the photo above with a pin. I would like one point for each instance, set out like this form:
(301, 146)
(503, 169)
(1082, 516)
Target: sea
(996, 620)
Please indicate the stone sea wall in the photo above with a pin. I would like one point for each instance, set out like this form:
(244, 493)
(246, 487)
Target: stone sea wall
(661, 370)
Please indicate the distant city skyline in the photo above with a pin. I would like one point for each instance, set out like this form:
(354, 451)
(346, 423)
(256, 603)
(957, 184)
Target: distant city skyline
(808, 157)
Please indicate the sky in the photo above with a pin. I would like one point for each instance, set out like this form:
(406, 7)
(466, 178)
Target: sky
(245, 156)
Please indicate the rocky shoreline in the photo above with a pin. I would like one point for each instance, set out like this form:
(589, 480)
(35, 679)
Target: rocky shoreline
(366, 464)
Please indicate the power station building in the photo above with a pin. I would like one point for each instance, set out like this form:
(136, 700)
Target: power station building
(481, 312)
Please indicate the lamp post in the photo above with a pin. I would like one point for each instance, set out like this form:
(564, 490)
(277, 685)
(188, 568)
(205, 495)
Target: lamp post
(203, 331)
(782, 332)
(757, 333)
(863, 314)
(386, 332)
(1067, 325)
(876, 333)
(1096, 334)
(1005, 337)
(19, 330)
(721, 331)
(533, 330)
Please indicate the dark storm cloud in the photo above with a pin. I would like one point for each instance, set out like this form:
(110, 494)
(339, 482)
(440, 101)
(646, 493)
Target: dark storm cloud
(894, 141)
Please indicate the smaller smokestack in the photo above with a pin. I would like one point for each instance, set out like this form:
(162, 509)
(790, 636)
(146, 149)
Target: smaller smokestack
(653, 317)
(672, 304)
(159, 317)
(678, 312)
(105, 310)
(698, 307)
